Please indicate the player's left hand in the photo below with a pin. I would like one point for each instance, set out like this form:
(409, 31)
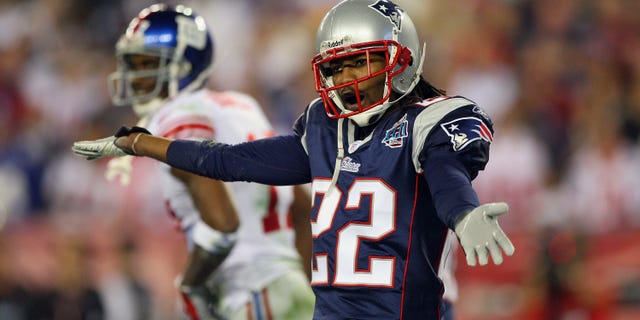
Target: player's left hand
(478, 232)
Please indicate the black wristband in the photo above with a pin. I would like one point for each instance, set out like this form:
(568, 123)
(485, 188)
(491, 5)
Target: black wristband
(124, 131)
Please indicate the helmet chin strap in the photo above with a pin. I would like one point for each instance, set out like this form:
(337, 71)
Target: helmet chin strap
(364, 119)
(339, 158)
(143, 110)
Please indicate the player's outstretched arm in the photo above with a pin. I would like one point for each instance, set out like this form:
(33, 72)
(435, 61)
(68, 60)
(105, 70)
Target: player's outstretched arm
(480, 235)
(279, 160)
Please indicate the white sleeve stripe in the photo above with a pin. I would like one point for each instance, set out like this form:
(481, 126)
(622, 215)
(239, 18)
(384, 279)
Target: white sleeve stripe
(303, 139)
(427, 119)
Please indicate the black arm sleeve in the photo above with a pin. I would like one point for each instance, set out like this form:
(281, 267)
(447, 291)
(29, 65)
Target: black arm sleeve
(278, 160)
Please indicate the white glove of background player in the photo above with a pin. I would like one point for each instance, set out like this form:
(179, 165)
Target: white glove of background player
(198, 303)
(479, 232)
(119, 168)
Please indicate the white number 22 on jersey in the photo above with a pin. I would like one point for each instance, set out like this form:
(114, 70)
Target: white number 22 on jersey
(381, 223)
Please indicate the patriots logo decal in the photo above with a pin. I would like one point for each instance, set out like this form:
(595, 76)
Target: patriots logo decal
(463, 131)
(390, 10)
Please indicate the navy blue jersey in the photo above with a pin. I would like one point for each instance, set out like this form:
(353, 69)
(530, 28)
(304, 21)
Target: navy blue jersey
(378, 237)
(383, 198)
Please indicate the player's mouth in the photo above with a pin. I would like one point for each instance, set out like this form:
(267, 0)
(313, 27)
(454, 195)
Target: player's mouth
(351, 100)
(143, 87)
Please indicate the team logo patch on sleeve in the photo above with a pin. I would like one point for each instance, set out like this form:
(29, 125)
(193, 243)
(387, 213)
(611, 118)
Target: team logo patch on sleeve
(463, 131)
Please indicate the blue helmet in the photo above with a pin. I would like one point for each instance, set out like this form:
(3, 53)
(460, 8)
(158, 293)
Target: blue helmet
(182, 42)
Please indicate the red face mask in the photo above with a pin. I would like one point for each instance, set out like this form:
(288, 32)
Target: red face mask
(396, 60)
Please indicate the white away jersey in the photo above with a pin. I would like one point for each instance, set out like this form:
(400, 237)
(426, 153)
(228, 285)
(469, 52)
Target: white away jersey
(265, 237)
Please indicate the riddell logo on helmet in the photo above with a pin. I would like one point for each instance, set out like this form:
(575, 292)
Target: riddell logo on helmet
(330, 44)
(333, 44)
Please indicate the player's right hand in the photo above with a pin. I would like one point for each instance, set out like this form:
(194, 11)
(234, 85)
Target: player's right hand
(106, 147)
(96, 149)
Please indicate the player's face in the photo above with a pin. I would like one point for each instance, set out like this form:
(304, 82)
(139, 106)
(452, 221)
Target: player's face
(145, 84)
(356, 67)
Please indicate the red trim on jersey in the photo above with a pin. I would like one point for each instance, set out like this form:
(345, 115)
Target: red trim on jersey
(189, 308)
(443, 242)
(270, 221)
(187, 127)
(406, 266)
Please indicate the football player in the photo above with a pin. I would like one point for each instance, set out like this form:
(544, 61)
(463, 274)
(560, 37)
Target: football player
(243, 262)
(390, 158)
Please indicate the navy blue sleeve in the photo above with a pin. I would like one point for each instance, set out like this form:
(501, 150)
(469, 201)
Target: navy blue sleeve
(456, 149)
(278, 160)
(450, 186)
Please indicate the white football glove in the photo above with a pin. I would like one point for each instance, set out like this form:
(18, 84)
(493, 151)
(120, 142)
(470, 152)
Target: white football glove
(479, 232)
(96, 149)
(120, 169)
(105, 147)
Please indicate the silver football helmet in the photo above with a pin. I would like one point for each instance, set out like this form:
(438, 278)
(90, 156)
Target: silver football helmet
(356, 27)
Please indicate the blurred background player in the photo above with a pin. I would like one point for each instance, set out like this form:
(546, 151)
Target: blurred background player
(164, 60)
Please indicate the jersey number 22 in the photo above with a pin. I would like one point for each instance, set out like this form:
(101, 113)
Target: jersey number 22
(380, 269)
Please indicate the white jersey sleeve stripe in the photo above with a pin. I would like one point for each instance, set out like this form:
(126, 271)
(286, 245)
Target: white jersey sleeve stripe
(304, 135)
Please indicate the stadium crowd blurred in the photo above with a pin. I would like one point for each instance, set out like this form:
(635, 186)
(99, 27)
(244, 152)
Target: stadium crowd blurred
(561, 80)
